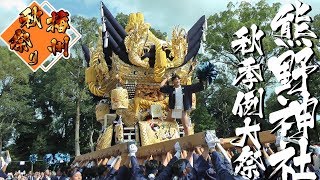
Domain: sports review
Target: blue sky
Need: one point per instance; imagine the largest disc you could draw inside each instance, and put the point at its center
(163, 14)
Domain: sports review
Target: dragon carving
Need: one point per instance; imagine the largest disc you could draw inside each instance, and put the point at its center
(140, 40)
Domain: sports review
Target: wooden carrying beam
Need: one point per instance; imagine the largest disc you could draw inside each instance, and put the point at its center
(264, 137)
(104, 153)
(187, 143)
(190, 142)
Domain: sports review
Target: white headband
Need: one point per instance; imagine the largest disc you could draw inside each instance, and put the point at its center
(151, 176)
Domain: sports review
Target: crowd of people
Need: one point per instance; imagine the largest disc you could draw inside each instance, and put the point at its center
(46, 175)
(202, 164)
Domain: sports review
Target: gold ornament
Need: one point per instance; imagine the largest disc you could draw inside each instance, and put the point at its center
(156, 131)
(118, 133)
(178, 47)
(104, 141)
(136, 39)
(101, 110)
(140, 39)
(119, 98)
(139, 75)
(97, 75)
(128, 116)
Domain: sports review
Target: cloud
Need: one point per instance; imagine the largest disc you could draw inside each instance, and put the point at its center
(166, 14)
(18, 5)
(9, 11)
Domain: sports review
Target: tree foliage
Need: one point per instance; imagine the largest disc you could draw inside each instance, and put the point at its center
(53, 98)
(15, 106)
(220, 97)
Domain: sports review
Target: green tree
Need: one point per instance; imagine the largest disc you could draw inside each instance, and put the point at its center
(62, 105)
(14, 92)
(221, 27)
(71, 103)
(314, 79)
(61, 101)
(214, 108)
(88, 29)
(220, 34)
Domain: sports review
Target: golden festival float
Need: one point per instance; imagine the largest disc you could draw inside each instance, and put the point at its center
(125, 71)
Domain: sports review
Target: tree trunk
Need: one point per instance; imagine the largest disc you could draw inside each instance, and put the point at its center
(77, 129)
(91, 141)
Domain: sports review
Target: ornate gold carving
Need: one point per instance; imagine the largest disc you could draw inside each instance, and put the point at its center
(147, 95)
(161, 61)
(101, 110)
(97, 74)
(119, 98)
(129, 73)
(146, 104)
(136, 39)
(140, 38)
(149, 92)
(178, 47)
(128, 115)
(104, 140)
(156, 131)
(137, 110)
(118, 133)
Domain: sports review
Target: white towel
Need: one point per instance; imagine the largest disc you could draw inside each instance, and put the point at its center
(177, 113)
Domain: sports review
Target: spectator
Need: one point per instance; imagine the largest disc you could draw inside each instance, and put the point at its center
(75, 175)
(47, 175)
(31, 176)
(59, 175)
